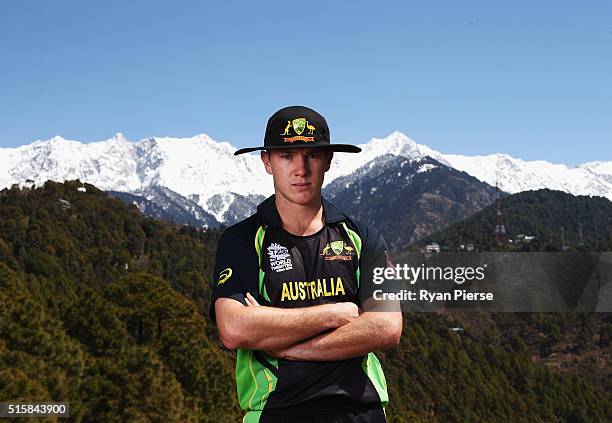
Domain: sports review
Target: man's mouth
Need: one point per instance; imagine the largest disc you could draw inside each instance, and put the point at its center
(301, 186)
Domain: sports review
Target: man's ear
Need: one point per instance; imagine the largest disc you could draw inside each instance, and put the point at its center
(265, 158)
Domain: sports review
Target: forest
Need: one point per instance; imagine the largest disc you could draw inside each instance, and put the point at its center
(107, 309)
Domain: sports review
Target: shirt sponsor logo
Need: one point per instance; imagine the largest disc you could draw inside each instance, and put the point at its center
(280, 259)
(338, 250)
(313, 289)
(224, 275)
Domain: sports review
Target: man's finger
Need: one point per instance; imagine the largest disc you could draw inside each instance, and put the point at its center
(252, 299)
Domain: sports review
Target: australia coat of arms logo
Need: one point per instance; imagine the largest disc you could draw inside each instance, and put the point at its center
(299, 126)
(338, 250)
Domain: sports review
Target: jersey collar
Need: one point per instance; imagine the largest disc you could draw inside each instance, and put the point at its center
(268, 213)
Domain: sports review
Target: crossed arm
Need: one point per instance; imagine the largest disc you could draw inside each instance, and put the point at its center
(324, 332)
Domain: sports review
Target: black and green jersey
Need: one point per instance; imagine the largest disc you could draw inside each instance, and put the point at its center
(284, 270)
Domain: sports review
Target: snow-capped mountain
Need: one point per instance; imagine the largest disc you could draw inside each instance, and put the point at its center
(396, 144)
(165, 204)
(230, 207)
(408, 198)
(109, 163)
(516, 175)
(206, 173)
(511, 174)
(196, 166)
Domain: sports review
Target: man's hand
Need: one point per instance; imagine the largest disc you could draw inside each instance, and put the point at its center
(251, 302)
(372, 330)
(343, 312)
(258, 327)
(358, 336)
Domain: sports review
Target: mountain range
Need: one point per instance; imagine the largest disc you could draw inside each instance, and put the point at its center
(199, 181)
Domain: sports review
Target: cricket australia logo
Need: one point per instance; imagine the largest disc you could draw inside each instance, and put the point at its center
(338, 250)
(299, 125)
(280, 259)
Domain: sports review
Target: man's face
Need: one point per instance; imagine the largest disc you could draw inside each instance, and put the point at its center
(298, 173)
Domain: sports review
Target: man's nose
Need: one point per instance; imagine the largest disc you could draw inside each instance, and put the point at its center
(301, 164)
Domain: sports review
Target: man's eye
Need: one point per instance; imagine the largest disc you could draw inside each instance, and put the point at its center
(286, 156)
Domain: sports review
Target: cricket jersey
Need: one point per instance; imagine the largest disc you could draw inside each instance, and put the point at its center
(284, 270)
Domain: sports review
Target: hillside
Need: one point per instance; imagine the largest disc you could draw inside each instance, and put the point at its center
(572, 343)
(77, 325)
(585, 222)
(105, 308)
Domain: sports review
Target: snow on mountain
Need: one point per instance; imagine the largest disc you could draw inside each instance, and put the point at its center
(516, 175)
(231, 208)
(396, 144)
(512, 174)
(206, 171)
(188, 166)
(108, 164)
(200, 165)
(408, 198)
(602, 169)
(165, 204)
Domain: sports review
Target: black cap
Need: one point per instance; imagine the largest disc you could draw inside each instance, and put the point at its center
(298, 127)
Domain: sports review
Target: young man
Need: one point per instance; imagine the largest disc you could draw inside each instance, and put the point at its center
(293, 286)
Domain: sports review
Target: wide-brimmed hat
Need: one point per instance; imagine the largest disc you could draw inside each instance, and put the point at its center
(298, 127)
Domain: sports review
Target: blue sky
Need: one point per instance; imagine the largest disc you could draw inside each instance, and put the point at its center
(529, 78)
